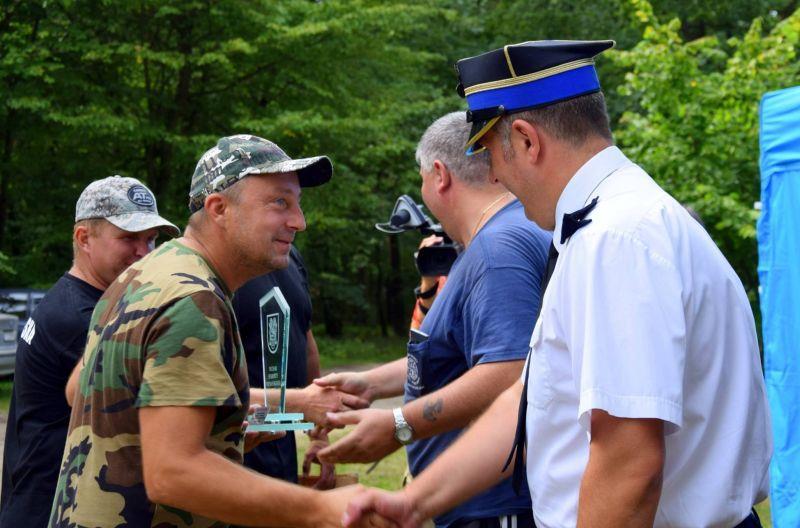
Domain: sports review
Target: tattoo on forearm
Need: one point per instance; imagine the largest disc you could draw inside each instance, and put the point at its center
(432, 410)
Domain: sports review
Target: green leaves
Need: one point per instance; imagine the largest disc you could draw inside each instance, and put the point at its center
(89, 89)
(691, 120)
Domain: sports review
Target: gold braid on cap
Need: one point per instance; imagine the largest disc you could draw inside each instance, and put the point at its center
(522, 79)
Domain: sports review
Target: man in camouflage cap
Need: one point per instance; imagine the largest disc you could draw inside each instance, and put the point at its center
(156, 435)
(116, 223)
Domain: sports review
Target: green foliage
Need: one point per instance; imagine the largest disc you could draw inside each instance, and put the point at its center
(89, 89)
(142, 89)
(359, 348)
(692, 120)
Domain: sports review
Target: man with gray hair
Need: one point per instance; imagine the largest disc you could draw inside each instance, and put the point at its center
(116, 223)
(473, 340)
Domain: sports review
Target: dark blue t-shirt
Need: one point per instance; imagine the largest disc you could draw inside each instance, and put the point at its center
(277, 458)
(39, 414)
(485, 313)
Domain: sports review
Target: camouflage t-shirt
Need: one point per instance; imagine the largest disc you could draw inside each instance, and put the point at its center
(164, 333)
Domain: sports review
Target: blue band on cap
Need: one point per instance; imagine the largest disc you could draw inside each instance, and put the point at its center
(539, 92)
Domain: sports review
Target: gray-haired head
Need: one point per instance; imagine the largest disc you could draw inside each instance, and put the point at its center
(444, 140)
(125, 202)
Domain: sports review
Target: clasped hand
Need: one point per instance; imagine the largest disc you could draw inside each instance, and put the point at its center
(372, 507)
(370, 440)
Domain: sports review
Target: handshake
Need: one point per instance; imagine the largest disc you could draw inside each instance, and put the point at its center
(360, 507)
(341, 399)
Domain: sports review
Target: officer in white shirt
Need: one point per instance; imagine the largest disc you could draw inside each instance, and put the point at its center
(643, 401)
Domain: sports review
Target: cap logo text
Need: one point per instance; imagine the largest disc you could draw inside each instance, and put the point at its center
(139, 195)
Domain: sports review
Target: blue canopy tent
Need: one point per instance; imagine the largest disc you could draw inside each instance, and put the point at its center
(779, 277)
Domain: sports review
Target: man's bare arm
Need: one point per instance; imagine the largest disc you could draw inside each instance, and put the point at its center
(451, 407)
(72, 382)
(449, 481)
(385, 381)
(622, 482)
(461, 401)
(180, 472)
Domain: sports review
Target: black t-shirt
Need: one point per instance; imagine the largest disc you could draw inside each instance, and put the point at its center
(279, 457)
(39, 414)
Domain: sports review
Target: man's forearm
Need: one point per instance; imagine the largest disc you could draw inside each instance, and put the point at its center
(461, 401)
(388, 380)
(180, 471)
(294, 399)
(491, 437)
(72, 382)
(231, 493)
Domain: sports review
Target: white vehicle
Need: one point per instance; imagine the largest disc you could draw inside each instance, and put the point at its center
(16, 307)
(8, 343)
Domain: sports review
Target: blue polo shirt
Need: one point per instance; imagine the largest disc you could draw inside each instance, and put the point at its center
(485, 313)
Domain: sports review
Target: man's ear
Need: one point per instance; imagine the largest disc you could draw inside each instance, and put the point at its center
(526, 140)
(216, 207)
(81, 236)
(442, 178)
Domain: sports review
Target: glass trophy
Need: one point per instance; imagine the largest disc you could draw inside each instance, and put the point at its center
(274, 314)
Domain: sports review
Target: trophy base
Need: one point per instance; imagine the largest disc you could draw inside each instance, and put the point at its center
(278, 422)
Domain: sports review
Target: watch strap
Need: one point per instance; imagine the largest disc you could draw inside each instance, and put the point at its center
(400, 424)
(427, 294)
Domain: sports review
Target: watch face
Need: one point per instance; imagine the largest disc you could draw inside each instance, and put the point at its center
(404, 435)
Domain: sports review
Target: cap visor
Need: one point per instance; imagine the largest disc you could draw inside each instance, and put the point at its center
(310, 171)
(479, 129)
(136, 222)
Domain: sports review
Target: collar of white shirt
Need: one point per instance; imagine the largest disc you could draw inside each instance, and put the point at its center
(581, 186)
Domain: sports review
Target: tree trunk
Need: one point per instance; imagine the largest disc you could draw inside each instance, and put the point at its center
(331, 314)
(394, 285)
(379, 298)
(5, 169)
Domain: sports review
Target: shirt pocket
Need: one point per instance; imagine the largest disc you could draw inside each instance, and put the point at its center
(540, 385)
(415, 356)
(431, 366)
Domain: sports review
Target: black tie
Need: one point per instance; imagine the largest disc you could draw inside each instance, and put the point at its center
(569, 224)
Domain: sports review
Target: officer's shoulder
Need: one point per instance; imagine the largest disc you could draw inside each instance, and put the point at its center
(644, 215)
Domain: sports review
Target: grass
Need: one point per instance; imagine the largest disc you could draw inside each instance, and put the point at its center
(763, 510)
(359, 350)
(6, 386)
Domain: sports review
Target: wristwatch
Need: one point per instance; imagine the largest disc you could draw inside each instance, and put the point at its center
(403, 432)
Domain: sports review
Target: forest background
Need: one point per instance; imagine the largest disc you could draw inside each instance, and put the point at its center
(142, 88)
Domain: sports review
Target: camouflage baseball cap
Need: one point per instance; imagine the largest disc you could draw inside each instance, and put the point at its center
(125, 202)
(235, 157)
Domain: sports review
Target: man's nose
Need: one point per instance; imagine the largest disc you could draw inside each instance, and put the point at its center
(297, 221)
(143, 247)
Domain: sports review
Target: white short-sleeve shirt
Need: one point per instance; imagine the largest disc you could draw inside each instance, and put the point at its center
(644, 318)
